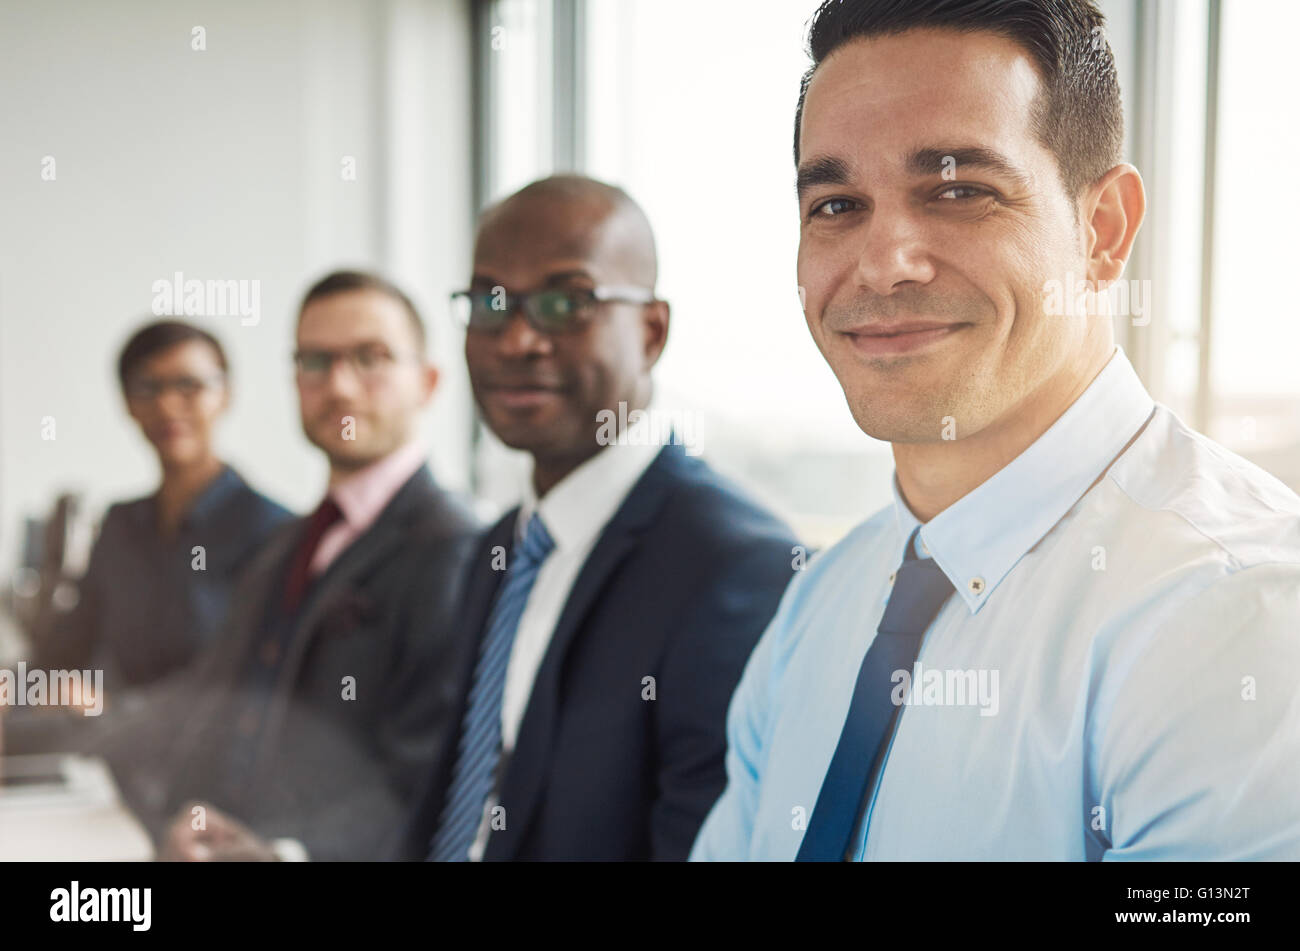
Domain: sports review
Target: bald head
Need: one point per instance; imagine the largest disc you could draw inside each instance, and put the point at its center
(542, 389)
(572, 217)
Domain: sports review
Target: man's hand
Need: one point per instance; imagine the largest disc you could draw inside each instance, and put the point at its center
(200, 833)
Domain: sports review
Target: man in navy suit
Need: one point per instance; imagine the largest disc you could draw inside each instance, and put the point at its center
(613, 611)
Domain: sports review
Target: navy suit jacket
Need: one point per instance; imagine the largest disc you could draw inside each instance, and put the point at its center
(609, 765)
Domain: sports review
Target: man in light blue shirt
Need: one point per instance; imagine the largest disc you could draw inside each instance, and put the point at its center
(1088, 614)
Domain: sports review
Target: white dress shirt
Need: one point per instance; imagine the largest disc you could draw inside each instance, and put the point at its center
(575, 512)
(1117, 675)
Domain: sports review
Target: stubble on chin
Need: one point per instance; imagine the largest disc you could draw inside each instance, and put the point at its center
(935, 408)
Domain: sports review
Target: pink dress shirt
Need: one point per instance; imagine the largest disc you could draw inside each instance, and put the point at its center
(361, 496)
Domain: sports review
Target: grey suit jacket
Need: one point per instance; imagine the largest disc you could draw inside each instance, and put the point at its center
(363, 701)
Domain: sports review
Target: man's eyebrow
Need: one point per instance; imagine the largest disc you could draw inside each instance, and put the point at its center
(826, 170)
(935, 161)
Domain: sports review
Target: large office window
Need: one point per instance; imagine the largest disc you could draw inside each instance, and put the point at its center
(517, 53)
(1219, 236)
(1255, 330)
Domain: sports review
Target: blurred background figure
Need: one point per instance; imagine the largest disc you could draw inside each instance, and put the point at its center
(162, 569)
(307, 730)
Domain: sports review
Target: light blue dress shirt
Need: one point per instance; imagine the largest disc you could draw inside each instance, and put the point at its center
(1116, 677)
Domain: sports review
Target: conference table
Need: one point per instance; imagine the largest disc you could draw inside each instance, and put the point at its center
(65, 808)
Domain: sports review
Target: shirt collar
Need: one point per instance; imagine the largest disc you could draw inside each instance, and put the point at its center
(576, 508)
(979, 538)
(363, 494)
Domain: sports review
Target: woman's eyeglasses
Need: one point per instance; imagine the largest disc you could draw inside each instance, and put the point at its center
(145, 389)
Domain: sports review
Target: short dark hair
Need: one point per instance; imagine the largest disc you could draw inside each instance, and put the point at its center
(1079, 115)
(152, 339)
(339, 282)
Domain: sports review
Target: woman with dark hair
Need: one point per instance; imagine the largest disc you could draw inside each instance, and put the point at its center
(163, 567)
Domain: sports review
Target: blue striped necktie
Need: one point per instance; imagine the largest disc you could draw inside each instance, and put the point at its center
(920, 591)
(479, 749)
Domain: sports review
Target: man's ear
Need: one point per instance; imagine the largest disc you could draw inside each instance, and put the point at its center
(429, 377)
(655, 320)
(1114, 209)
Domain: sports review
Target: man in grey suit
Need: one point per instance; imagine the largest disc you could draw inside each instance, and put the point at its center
(309, 726)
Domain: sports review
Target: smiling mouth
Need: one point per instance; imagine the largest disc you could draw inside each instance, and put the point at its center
(522, 396)
(903, 338)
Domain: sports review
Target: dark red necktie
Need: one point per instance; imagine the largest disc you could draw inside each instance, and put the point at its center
(321, 520)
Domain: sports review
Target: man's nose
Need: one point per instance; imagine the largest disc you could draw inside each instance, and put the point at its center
(519, 338)
(343, 378)
(893, 252)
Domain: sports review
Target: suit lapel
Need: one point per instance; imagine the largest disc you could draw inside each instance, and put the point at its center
(476, 604)
(339, 582)
(339, 589)
(485, 579)
(525, 776)
(337, 586)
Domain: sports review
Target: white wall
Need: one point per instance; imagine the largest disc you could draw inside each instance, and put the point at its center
(222, 164)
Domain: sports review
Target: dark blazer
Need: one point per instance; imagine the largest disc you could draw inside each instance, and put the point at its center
(331, 770)
(143, 611)
(679, 586)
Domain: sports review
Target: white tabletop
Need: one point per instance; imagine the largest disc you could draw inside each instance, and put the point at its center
(79, 818)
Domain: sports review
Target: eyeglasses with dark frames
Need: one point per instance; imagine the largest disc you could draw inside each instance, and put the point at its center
(552, 311)
(369, 362)
(148, 388)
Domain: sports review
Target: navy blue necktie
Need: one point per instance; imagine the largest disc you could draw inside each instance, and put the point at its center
(920, 590)
(479, 749)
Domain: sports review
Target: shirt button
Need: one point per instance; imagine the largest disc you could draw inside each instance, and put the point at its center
(976, 585)
(892, 574)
